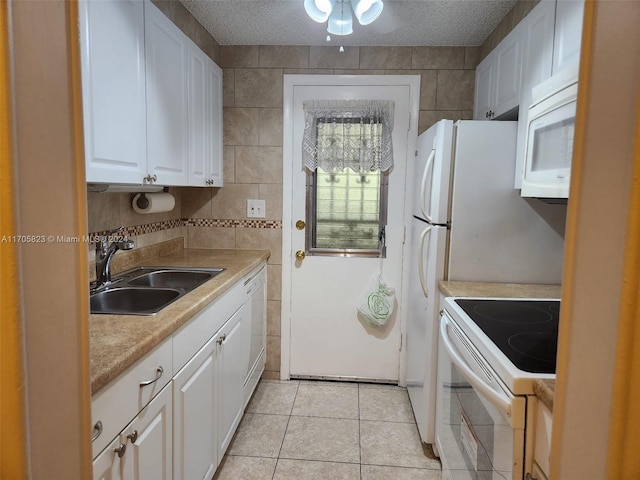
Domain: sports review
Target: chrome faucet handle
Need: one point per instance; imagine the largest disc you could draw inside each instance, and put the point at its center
(102, 242)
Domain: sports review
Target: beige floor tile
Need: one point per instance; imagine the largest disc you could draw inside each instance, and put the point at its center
(322, 400)
(393, 444)
(375, 472)
(245, 468)
(388, 404)
(259, 435)
(311, 470)
(326, 439)
(273, 397)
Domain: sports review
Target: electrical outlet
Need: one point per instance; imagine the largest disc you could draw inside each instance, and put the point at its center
(255, 208)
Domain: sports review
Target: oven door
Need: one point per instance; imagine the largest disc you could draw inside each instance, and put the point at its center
(480, 424)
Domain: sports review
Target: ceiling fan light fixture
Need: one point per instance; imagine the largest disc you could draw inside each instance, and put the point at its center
(340, 22)
(367, 11)
(319, 10)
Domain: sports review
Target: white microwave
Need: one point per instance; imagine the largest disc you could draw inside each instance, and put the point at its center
(549, 141)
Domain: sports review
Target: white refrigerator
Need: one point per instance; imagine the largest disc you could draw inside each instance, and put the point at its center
(468, 224)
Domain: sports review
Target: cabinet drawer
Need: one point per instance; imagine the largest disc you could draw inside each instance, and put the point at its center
(195, 333)
(120, 401)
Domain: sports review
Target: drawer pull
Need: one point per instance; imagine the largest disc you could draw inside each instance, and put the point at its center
(221, 339)
(159, 372)
(97, 430)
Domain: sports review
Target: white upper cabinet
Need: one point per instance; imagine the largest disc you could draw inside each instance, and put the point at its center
(152, 99)
(537, 32)
(167, 131)
(508, 74)
(485, 73)
(205, 119)
(498, 79)
(113, 90)
(568, 33)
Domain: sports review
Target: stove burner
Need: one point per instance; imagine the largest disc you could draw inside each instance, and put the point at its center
(539, 346)
(512, 313)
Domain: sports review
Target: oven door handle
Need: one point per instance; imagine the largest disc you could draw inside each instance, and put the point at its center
(498, 401)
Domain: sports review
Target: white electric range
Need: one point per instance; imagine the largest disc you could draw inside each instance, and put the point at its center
(491, 350)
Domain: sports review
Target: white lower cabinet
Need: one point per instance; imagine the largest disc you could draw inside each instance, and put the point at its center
(195, 420)
(143, 450)
(235, 341)
(184, 430)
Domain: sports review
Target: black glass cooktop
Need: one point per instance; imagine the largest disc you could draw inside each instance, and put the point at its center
(526, 331)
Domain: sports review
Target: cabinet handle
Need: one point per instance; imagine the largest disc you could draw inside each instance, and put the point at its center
(159, 372)
(221, 339)
(486, 115)
(97, 430)
(120, 450)
(133, 436)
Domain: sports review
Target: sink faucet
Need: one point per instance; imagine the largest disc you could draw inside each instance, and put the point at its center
(104, 254)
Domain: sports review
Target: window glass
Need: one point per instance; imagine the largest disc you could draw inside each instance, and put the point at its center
(347, 208)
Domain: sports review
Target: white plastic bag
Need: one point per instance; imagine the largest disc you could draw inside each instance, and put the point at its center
(378, 304)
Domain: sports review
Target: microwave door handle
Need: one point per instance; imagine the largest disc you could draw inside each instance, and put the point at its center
(423, 190)
(498, 401)
(423, 281)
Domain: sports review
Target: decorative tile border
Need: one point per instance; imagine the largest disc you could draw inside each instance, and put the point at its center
(210, 222)
(192, 222)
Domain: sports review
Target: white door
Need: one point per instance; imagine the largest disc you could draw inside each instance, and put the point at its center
(108, 465)
(485, 73)
(167, 99)
(195, 449)
(151, 447)
(326, 337)
(235, 342)
(113, 90)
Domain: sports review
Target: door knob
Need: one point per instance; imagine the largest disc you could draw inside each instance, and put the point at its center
(300, 255)
(300, 224)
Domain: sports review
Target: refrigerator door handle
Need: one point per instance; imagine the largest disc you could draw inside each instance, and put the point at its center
(423, 280)
(423, 190)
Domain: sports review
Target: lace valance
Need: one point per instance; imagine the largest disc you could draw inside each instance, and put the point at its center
(354, 134)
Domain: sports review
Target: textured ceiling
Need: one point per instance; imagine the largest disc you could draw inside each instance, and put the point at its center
(403, 22)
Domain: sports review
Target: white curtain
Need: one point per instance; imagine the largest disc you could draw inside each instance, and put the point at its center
(354, 134)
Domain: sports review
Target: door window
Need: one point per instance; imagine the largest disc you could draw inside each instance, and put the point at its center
(347, 207)
(347, 210)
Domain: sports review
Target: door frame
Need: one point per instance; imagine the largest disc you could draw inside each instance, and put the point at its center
(290, 82)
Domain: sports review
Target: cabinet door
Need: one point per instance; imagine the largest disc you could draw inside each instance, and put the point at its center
(234, 360)
(150, 455)
(205, 124)
(568, 33)
(537, 32)
(484, 88)
(214, 90)
(508, 60)
(108, 465)
(195, 415)
(113, 90)
(167, 121)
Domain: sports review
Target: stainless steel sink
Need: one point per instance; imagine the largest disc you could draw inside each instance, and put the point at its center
(147, 290)
(133, 300)
(183, 279)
